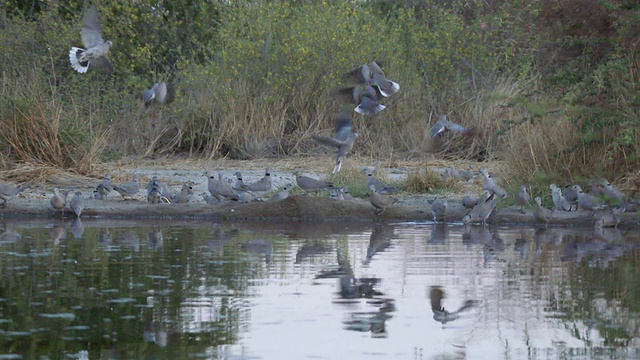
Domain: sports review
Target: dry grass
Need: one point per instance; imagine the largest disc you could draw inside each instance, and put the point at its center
(427, 180)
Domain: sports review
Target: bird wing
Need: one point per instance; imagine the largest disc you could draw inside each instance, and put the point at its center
(91, 35)
(161, 92)
(345, 94)
(439, 126)
(148, 95)
(328, 141)
(102, 62)
(343, 126)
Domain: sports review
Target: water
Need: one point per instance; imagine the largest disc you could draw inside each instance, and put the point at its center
(195, 290)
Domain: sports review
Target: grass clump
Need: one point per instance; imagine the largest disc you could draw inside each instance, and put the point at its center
(425, 181)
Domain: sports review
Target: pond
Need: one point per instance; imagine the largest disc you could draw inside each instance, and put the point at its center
(119, 289)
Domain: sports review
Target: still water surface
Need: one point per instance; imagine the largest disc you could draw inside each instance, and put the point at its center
(196, 290)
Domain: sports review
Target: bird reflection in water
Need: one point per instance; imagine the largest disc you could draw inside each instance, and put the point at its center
(352, 289)
(439, 313)
(77, 228)
(439, 234)
(155, 238)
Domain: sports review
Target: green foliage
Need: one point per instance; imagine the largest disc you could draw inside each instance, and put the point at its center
(255, 78)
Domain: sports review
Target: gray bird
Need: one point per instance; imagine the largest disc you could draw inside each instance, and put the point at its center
(522, 198)
(559, 202)
(343, 141)
(379, 79)
(469, 200)
(596, 189)
(380, 201)
(58, 200)
(185, 194)
(8, 192)
(490, 185)
(245, 197)
(160, 92)
(102, 190)
(373, 75)
(439, 208)
(588, 202)
(380, 187)
(366, 97)
(309, 184)
(542, 214)
(77, 203)
(239, 183)
(611, 218)
(261, 186)
(569, 193)
(130, 188)
(482, 211)
(346, 195)
(282, 194)
(444, 125)
(468, 174)
(612, 192)
(96, 50)
(219, 190)
(454, 173)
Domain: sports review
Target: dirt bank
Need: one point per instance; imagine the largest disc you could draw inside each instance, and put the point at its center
(34, 201)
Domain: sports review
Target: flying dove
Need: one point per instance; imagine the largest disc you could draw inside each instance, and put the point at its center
(340, 142)
(160, 92)
(77, 203)
(373, 75)
(444, 125)
(130, 188)
(8, 192)
(366, 97)
(96, 49)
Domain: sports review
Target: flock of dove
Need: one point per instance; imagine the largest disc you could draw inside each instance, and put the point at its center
(369, 86)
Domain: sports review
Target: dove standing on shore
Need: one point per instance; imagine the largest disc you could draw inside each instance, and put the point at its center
(77, 203)
(8, 192)
(96, 50)
(130, 188)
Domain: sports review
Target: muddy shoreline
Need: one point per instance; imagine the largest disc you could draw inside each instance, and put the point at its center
(294, 208)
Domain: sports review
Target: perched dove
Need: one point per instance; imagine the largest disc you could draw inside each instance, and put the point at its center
(490, 185)
(340, 142)
(261, 186)
(96, 49)
(559, 201)
(184, 195)
(381, 187)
